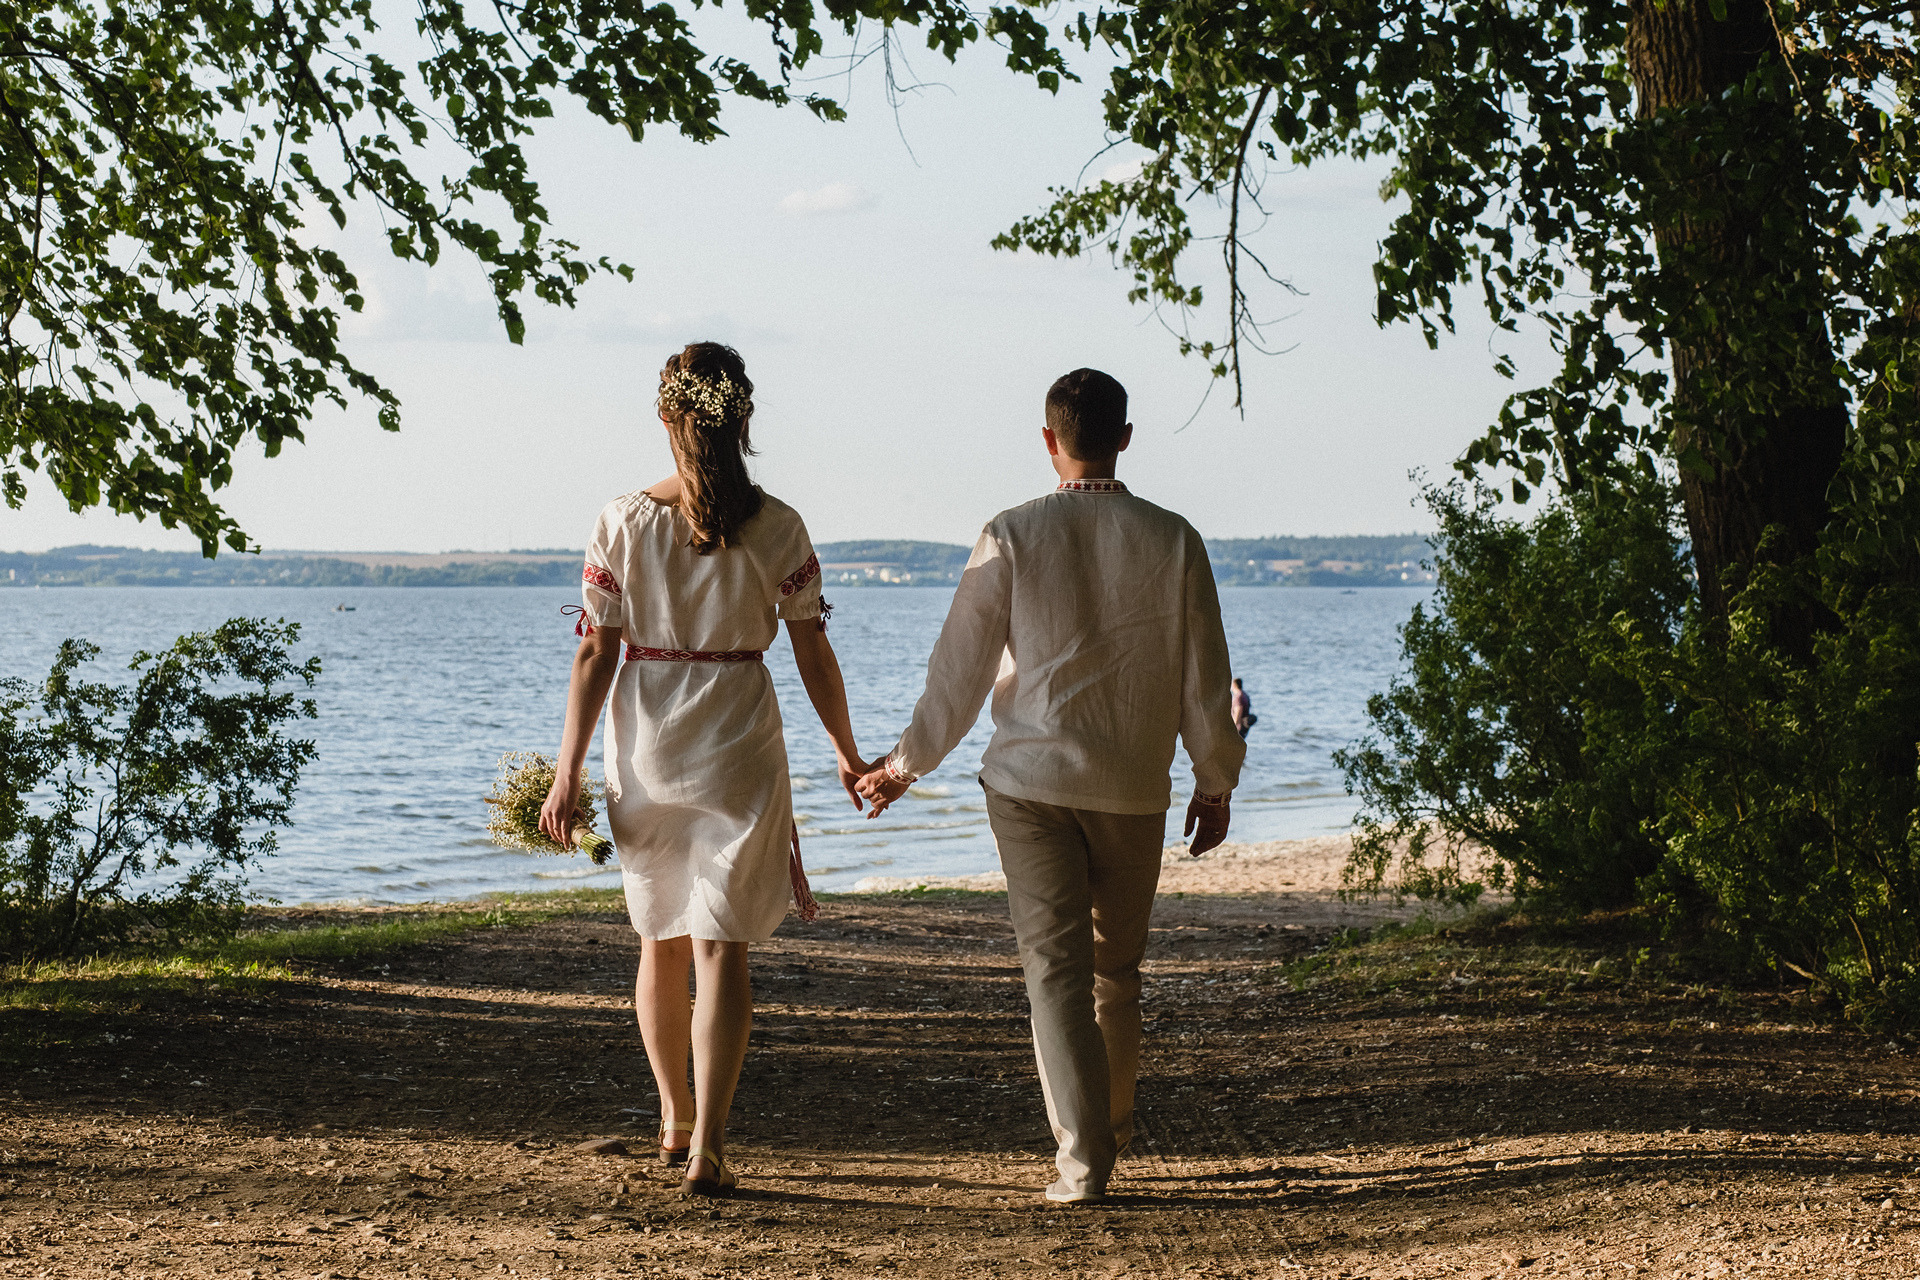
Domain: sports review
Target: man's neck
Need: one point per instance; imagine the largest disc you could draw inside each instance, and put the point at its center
(1084, 469)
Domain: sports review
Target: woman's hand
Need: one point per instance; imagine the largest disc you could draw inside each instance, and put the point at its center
(594, 665)
(556, 815)
(851, 770)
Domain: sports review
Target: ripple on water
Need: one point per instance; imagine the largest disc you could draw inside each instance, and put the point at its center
(411, 727)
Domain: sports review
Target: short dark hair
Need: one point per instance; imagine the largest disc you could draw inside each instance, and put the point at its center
(1087, 412)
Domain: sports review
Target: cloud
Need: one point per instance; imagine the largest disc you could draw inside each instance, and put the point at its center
(1126, 171)
(835, 197)
(407, 303)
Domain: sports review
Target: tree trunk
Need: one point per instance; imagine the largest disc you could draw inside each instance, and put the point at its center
(1766, 467)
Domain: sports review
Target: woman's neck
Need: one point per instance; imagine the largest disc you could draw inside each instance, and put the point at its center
(666, 492)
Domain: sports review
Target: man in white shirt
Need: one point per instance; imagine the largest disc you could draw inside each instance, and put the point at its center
(1091, 617)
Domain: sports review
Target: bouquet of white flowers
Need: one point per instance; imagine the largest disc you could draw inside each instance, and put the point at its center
(518, 795)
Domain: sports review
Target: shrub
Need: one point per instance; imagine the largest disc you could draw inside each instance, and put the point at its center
(1569, 717)
(1794, 805)
(1513, 731)
(134, 809)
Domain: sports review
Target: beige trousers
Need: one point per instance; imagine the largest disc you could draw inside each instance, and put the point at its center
(1080, 887)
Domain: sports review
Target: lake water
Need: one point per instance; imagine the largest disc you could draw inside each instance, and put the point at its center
(424, 689)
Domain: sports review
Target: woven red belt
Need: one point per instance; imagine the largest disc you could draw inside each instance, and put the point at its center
(640, 653)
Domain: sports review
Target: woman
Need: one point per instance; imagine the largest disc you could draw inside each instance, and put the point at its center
(692, 574)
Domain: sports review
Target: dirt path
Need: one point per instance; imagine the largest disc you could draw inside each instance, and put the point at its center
(419, 1118)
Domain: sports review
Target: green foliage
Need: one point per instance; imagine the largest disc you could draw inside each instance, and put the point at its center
(167, 780)
(275, 945)
(162, 294)
(1543, 169)
(1792, 811)
(1513, 734)
(1565, 718)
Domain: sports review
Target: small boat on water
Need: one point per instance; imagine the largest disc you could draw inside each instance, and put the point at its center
(344, 608)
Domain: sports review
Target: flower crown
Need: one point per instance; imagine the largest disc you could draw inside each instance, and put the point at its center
(682, 391)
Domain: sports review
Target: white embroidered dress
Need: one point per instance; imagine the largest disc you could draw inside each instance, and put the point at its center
(696, 765)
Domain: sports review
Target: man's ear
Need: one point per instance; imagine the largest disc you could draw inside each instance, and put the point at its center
(1053, 445)
(1126, 438)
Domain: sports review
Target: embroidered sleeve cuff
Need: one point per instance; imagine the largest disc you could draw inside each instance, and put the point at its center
(594, 576)
(898, 774)
(1202, 798)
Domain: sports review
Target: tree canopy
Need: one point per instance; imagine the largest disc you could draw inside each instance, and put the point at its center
(164, 294)
(1702, 202)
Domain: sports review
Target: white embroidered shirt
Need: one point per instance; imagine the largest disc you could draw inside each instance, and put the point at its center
(1090, 616)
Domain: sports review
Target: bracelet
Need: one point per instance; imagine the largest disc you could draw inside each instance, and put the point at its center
(1225, 797)
(896, 773)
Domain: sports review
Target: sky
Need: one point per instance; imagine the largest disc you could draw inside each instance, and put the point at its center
(900, 363)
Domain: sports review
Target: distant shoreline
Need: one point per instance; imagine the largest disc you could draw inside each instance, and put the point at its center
(1370, 561)
(458, 586)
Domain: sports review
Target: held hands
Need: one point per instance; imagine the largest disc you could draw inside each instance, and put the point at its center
(881, 788)
(1206, 825)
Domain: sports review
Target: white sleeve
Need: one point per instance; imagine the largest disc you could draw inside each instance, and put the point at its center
(600, 586)
(800, 590)
(1206, 683)
(965, 660)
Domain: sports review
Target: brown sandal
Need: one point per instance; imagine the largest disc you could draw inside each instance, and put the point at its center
(673, 1155)
(721, 1185)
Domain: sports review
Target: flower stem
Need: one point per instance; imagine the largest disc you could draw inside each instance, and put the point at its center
(596, 846)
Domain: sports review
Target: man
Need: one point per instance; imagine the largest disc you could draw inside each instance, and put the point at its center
(1091, 617)
(1243, 717)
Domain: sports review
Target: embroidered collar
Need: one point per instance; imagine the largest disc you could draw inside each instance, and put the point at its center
(1090, 486)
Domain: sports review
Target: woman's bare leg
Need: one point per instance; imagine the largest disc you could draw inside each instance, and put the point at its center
(666, 1025)
(722, 1020)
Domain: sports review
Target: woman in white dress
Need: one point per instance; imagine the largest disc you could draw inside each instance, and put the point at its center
(690, 577)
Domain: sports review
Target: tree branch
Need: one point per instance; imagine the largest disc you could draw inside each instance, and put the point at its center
(1236, 297)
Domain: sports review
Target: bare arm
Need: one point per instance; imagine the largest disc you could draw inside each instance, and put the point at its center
(820, 673)
(594, 665)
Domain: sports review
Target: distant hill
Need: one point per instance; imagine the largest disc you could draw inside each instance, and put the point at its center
(1341, 562)
(1338, 562)
(93, 566)
(1358, 561)
(891, 562)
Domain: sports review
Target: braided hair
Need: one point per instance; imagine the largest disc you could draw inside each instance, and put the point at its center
(707, 403)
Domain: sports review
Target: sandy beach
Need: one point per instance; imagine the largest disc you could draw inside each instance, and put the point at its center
(1296, 879)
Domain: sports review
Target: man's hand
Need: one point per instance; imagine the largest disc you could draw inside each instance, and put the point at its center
(1206, 825)
(881, 788)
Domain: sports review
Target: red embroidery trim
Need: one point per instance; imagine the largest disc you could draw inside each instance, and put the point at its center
(1091, 486)
(600, 578)
(640, 653)
(1222, 798)
(797, 875)
(896, 773)
(802, 576)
